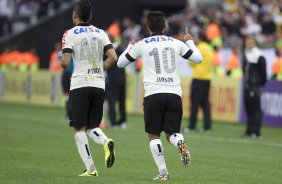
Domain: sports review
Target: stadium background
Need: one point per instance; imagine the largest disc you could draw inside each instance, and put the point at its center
(21, 93)
(226, 95)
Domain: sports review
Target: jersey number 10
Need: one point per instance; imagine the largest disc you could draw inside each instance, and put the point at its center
(165, 51)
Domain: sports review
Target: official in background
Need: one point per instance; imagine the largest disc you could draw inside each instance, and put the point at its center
(254, 67)
(201, 86)
(116, 91)
(66, 82)
(66, 77)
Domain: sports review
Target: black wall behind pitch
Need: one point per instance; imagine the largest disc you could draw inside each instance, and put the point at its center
(50, 31)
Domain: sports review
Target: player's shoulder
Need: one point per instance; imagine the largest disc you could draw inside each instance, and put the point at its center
(70, 31)
(96, 29)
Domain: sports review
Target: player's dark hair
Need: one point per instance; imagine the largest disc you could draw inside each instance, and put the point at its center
(156, 21)
(83, 10)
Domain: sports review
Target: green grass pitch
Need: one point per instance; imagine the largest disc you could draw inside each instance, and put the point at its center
(37, 147)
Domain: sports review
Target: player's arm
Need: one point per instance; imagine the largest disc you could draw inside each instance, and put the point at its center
(196, 56)
(110, 52)
(111, 58)
(193, 54)
(67, 46)
(124, 59)
(129, 55)
(66, 60)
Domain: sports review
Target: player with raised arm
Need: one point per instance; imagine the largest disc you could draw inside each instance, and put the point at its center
(88, 44)
(162, 101)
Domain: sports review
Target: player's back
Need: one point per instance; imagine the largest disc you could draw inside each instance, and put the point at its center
(87, 43)
(159, 55)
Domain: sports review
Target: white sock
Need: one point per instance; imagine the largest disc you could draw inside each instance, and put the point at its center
(158, 155)
(84, 151)
(174, 138)
(97, 135)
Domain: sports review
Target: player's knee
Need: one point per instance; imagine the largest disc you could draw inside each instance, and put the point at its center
(80, 129)
(153, 136)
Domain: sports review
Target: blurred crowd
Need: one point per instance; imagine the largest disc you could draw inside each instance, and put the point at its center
(14, 59)
(226, 24)
(230, 21)
(16, 15)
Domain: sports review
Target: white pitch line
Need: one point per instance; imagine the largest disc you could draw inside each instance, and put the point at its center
(203, 137)
(237, 140)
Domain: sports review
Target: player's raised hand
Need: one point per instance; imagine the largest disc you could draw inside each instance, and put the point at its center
(132, 41)
(187, 36)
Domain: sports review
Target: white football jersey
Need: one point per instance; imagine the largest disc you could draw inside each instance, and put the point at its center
(87, 44)
(159, 55)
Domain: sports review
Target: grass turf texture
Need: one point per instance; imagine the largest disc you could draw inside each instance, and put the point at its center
(37, 146)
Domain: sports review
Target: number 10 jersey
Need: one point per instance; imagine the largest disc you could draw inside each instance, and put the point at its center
(159, 55)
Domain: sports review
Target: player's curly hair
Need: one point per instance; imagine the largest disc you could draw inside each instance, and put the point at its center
(156, 21)
(83, 10)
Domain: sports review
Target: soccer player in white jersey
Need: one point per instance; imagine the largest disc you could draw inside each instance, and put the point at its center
(162, 101)
(87, 44)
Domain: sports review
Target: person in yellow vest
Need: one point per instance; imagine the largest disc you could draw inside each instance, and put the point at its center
(234, 65)
(201, 82)
(277, 66)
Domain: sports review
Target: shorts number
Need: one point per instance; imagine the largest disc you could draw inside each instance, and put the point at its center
(165, 51)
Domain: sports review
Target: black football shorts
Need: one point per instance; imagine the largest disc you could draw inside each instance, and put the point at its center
(162, 112)
(86, 107)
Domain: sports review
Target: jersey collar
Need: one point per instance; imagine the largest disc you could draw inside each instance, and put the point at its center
(83, 24)
(157, 33)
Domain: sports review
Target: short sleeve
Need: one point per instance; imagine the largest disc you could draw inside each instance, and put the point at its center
(106, 42)
(185, 52)
(67, 43)
(134, 52)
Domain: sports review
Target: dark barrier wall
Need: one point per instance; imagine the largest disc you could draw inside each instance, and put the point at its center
(50, 31)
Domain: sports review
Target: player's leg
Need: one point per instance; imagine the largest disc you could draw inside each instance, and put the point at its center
(157, 151)
(153, 126)
(79, 116)
(84, 152)
(95, 116)
(171, 126)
